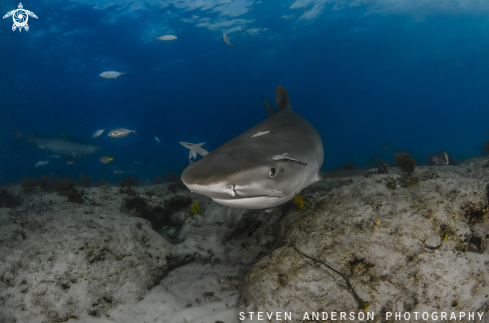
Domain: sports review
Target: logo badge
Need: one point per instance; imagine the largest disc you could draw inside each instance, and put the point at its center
(20, 17)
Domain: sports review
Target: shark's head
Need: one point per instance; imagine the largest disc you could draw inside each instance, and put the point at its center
(245, 179)
(265, 166)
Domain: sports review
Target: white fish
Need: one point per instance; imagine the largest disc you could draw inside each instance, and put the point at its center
(226, 39)
(158, 140)
(111, 74)
(166, 38)
(194, 149)
(441, 158)
(98, 133)
(261, 133)
(121, 132)
(41, 163)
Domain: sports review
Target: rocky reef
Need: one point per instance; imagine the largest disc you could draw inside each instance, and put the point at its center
(373, 245)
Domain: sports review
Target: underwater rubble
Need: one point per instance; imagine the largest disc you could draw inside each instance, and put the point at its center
(382, 243)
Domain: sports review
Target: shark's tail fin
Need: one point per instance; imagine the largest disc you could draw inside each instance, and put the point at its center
(135, 131)
(343, 174)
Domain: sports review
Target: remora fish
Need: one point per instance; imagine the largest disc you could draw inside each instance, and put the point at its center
(63, 144)
(111, 74)
(194, 149)
(243, 173)
(226, 39)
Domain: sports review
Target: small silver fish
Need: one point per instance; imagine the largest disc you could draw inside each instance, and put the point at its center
(226, 39)
(111, 74)
(158, 140)
(98, 133)
(441, 158)
(121, 132)
(106, 159)
(166, 38)
(54, 156)
(118, 172)
(41, 163)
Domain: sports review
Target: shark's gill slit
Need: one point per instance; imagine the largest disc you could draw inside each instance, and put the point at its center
(234, 189)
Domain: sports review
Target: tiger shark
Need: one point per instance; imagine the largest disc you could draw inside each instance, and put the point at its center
(263, 167)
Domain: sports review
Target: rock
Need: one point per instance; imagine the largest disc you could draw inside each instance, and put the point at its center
(77, 261)
(433, 242)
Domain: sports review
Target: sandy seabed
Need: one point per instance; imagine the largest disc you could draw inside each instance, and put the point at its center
(384, 243)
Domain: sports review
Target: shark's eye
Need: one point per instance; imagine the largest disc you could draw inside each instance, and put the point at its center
(272, 172)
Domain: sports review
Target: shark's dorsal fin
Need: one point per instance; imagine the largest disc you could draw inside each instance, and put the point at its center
(268, 107)
(281, 98)
(234, 215)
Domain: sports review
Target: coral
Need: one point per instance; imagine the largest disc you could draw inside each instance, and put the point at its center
(195, 208)
(64, 185)
(158, 180)
(9, 200)
(171, 177)
(405, 162)
(28, 184)
(46, 183)
(84, 181)
(299, 201)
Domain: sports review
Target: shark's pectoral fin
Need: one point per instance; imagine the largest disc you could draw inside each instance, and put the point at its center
(234, 215)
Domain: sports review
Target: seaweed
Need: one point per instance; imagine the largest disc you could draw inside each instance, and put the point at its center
(348, 166)
(405, 162)
(129, 181)
(100, 182)
(195, 208)
(475, 213)
(28, 184)
(158, 180)
(486, 147)
(84, 181)
(384, 169)
(173, 187)
(75, 196)
(46, 183)
(9, 200)
(64, 185)
(299, 201)
(171, 177)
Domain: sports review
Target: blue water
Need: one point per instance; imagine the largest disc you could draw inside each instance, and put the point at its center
(372, 78)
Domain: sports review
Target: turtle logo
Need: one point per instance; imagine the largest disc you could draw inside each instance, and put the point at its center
(20, 17)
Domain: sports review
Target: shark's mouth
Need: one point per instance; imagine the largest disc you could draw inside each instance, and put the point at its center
(235, 192)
